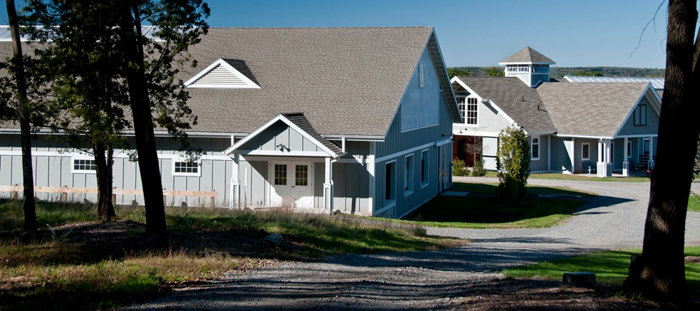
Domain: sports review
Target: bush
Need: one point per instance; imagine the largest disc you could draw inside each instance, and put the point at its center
(479, 169)
(459, 168)
(513, 164)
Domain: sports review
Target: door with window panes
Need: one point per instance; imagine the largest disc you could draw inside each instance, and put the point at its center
(291, 184)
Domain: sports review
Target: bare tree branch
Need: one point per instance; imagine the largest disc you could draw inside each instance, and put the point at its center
(653, 20)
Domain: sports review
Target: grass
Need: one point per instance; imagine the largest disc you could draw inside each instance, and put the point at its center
(487, 212)
(610, 267)
(584, 177)
(100, 266)
(694, 203)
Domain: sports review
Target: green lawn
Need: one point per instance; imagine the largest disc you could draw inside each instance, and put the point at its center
(584, 177)
(63, 268)
(610, 267)
(484, 212)
(694, 203)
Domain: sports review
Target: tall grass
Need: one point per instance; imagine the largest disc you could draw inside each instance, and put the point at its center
(65, 266)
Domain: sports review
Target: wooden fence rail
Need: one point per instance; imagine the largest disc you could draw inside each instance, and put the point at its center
(64, 191)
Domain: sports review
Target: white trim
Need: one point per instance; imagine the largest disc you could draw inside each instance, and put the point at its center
(385, 208)
(425, 159)
(638, 136)
(409, 175)
(631, 112)
(181, 160)
(443, 142)
(583, 136)
(249, 84)
(415, 207)
(84, 157)
(390, 203)
(280, 153)
(398, 154)
(282, 118)
(532, 147)
(525, 63)
(508, 118)
(420, 128)
(589, 151)
(355, 138)
(474, 132)
(120, 154)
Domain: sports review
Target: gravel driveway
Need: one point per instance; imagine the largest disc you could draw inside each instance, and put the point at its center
(427, 280)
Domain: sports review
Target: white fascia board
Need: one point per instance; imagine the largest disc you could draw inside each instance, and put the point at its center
(583, 136)
(525, 63)
(280, 117)
(463, 85)
(355, 138)
(249, 84)
(314, 154)
(629, 114)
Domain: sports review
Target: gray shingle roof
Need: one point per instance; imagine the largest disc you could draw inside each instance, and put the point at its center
(303, 123)
(528, 55)
(346, 81)
(517, 100)
(590, 109)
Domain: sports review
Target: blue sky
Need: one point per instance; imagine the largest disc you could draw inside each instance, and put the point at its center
(481, 32)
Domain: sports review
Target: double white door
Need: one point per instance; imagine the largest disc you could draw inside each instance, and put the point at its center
(292, 184)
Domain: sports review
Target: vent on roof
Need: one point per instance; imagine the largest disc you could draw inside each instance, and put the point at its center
(223, 74)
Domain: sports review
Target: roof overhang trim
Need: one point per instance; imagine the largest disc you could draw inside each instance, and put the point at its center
(281, 118)
(248, 83)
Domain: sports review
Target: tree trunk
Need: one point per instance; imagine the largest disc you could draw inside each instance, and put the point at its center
(660, 272)
(24, 110)
(143, 123)
(104, 183)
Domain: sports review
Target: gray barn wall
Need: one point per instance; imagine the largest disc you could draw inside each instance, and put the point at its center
(541, 165)
(652, 127)
(560, 158)
(396, 142)
(276, 134)
(52, 168)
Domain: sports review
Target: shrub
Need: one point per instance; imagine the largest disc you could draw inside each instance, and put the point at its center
(458, 168)
(479, 169)
(513, 164)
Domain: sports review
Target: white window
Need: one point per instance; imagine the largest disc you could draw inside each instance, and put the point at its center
(472, 107)
(408, 175)
(640, 115)
(535, 148)
(185, 168)
(461, 105)
(84, 165)
(585, 151)
(424, 162)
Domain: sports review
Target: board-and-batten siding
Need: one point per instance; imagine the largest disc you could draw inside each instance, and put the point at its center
(220, 76)
(53, 168)
(542, 164)
(279, 134)
(397, 141)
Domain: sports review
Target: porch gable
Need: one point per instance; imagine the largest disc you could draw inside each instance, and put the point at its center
(286, 135)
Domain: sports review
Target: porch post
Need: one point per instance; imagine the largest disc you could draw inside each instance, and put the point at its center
(235, 183)
(625, 163)
(328, 187)
(573, 155)
(651, 152)
(600, 165)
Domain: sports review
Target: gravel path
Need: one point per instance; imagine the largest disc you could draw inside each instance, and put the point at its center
(427, 280)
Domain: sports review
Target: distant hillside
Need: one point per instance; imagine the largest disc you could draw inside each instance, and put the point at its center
(559, 72)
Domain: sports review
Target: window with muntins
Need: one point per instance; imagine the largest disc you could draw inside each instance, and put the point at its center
(472, 107)
(301, 175)
(185, 167)
(281, 174)
(461, 105)
(535, 146)
(640, 115)
(84, 165)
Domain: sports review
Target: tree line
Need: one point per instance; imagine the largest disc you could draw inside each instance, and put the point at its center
(560, 72)
(91, 73)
